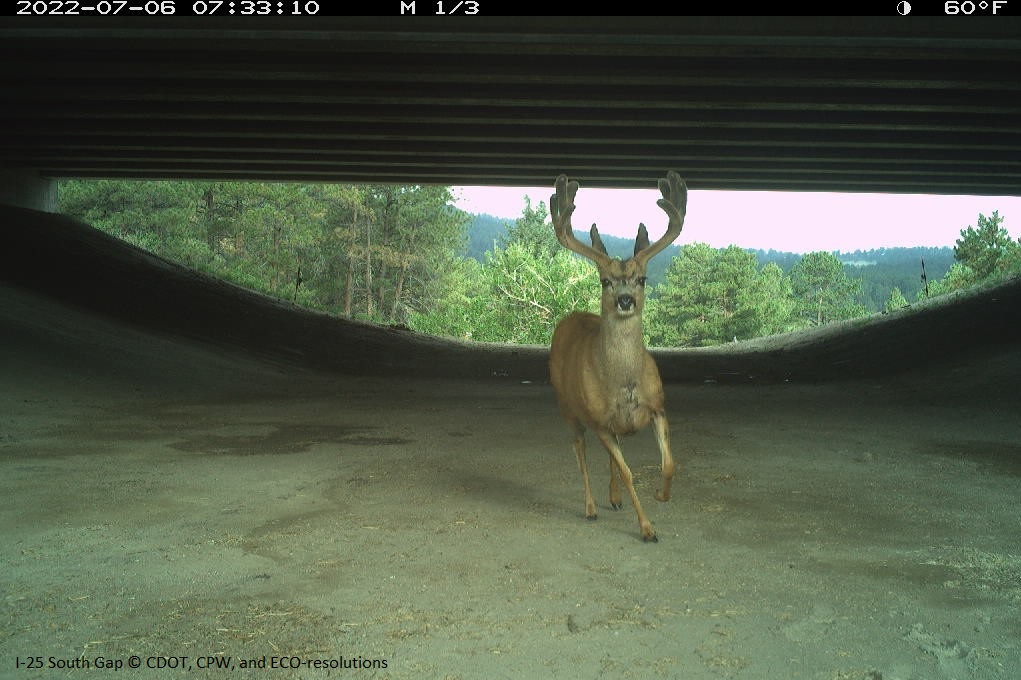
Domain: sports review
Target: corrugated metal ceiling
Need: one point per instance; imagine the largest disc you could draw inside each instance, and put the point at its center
(898, 104)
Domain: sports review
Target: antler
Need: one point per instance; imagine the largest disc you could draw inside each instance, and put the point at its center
(561, 207)
(674, 203)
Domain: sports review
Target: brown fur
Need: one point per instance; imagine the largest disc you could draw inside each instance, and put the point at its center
(605, 380)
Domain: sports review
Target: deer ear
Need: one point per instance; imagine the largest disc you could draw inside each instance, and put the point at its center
(642, 242)
(597, 242)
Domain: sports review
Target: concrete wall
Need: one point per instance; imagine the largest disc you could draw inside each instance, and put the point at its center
(26, 189)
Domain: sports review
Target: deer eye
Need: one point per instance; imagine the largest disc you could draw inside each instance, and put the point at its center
(641, 281)
(606, 283)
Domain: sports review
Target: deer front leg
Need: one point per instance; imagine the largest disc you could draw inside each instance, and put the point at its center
(614, 484)
(662, 429)
(579, 453)
(610, 442)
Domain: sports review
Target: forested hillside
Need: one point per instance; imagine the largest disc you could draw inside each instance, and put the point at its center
(880, 270)
(884, 269)
(402, 255)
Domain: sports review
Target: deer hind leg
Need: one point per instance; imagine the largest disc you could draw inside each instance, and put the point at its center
(610, 442)
(579, 453)
(662, 429)
(615, 475)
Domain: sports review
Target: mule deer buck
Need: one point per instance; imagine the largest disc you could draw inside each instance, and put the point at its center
(603, 376)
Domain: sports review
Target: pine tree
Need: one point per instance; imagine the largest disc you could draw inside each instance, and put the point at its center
(895, 301)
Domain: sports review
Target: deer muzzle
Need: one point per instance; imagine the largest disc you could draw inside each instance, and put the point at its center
(625, 303)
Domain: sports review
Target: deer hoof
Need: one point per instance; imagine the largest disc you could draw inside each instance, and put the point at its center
(592, 518)
(650, 539)
(616, 506)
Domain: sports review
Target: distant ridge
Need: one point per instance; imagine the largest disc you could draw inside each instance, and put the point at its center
(881, 269)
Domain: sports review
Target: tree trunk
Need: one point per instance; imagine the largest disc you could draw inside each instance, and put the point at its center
(397, 294)
(409, 248)
(349, 282)
(274, 280)
(211, 237)
(368, 269)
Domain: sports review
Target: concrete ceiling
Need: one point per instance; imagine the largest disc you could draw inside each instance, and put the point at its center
(897, 104)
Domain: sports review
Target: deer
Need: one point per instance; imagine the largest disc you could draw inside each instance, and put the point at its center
(603, 376)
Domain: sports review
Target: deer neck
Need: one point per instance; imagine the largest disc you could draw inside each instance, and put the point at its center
(622, 349)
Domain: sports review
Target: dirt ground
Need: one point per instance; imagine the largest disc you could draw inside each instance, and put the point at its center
(165, 496)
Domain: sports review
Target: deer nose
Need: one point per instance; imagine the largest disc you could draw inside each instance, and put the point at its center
(625, 302)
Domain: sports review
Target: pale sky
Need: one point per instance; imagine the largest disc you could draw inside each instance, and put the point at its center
(786, 221)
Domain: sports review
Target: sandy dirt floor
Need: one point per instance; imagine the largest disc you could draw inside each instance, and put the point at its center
(183, 504)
